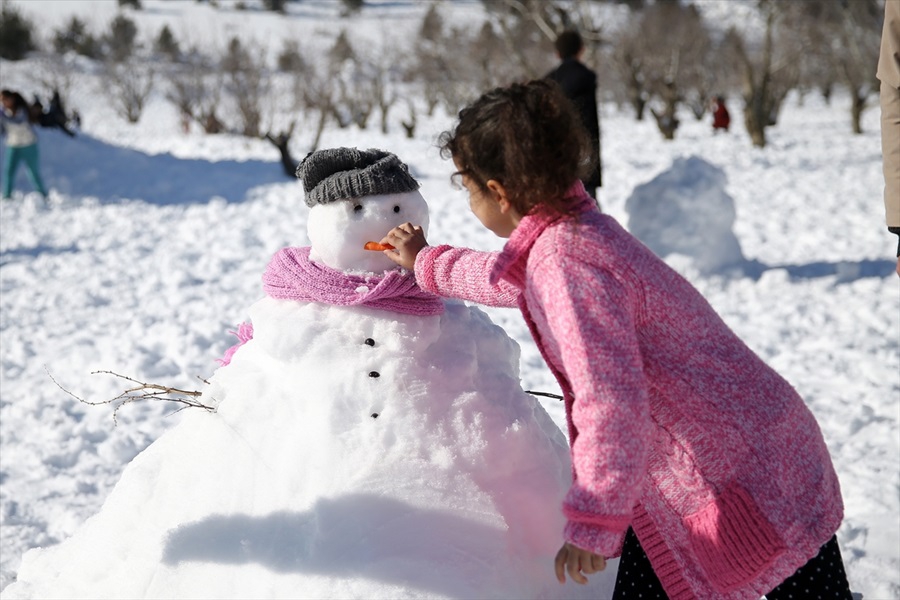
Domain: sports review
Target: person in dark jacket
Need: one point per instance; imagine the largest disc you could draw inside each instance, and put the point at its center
(56, 115)
(579, 83)
(52, 117)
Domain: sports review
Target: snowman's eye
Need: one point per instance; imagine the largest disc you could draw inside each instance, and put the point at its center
(396, 209)
(357, 208)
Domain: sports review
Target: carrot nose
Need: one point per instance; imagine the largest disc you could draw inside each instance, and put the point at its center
(377, 247)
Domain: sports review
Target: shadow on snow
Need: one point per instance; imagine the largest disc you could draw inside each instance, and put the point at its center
(8, 256)
(375, 538)
(843, 271)
(87, 167)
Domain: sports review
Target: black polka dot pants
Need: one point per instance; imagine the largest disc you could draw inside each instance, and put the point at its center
(822, 578)
(636, 578)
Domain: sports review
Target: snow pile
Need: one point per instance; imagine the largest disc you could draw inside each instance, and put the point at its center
(356, 451)
(686, 210)
(315, 479)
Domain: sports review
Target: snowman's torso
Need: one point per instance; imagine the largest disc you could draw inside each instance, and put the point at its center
(400, 402)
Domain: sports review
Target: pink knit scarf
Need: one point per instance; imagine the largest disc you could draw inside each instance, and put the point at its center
(291, 275)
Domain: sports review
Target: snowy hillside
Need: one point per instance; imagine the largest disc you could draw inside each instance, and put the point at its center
(153, 243)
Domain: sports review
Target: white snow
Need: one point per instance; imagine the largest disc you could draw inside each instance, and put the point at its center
(153, 246)
(685, 210)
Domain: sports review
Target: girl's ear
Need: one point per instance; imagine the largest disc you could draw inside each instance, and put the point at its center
(499, 193)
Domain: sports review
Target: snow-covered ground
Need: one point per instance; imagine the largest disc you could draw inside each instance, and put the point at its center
(154, 242)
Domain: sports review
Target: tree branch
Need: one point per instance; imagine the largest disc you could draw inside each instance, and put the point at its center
(143, 391)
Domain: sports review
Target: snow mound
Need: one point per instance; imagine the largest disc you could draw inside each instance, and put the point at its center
(686, 210)
(355, 452)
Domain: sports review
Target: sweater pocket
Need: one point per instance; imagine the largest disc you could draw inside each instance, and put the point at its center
(732, 540)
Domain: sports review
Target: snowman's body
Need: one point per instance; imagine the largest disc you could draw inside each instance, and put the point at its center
(357, 452)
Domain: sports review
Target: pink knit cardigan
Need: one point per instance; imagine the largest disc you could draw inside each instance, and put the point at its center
(676, 427)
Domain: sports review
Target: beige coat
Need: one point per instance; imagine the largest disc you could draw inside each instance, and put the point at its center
(889, 75)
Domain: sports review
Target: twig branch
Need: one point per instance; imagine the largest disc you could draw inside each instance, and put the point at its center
(545, 394)
(143, 391)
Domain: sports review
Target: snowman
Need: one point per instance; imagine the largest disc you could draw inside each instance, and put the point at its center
(370, 440)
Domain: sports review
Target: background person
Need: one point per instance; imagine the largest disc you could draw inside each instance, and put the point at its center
(721, 118)
(579, 83)
(21, 142)
(889, 75)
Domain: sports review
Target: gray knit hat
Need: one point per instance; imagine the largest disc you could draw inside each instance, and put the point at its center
(345, 173)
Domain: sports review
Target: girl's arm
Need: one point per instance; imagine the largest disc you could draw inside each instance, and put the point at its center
(19, 117)
(447, 271)
(586, 315)
(463, 273)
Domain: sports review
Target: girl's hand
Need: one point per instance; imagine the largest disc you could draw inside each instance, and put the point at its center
(577, 561)
(407, 240)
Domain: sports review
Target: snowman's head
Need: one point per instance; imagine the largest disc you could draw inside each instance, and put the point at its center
(357, 196)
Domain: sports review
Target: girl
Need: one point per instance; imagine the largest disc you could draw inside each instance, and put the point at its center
(21, 142)
(692, 460)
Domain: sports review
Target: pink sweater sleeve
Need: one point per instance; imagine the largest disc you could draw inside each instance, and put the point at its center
(464, 274)
(585, 316)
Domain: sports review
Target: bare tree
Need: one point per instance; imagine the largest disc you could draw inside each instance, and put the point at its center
(130, 83)
(681, 45)
(247, 82)
(409, 124)
(356, 104)
(442, 77)
(54, 72)
(839, 43)
(859, 36)
(319, 97)
(461, 86)
(667, 120)
(486, 50)
(629, 61)
(429, 68)
(383, 86)
(817, 69)
(527, 29)
(662, 58)
(195, 88)
(707, 75)
(345, 104)
(295, 68)
(768, 72)
(281, 141)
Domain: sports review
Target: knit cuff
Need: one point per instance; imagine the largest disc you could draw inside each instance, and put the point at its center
(599, 540)
(424, 267)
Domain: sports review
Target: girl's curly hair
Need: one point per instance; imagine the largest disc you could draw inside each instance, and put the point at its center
(528, 137)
